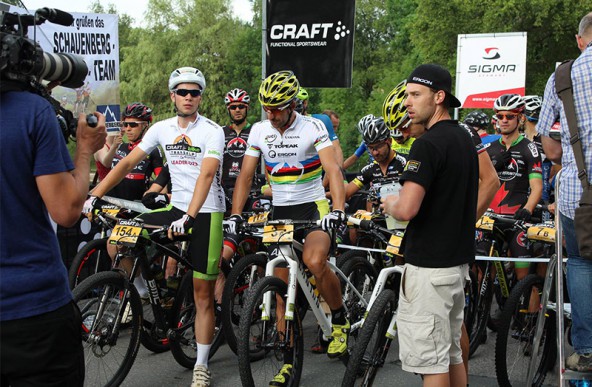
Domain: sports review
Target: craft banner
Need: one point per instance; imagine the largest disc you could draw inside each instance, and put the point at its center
(489, 65)
(94, 37)
(313, 38)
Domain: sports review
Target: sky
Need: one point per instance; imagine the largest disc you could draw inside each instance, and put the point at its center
(134, 8)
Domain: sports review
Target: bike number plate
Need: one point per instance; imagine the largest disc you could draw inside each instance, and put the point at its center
(258, 218)
(283, 233)
(394, 244)
(485, 223)
(362, 215)
(541, 233)
(125, 233)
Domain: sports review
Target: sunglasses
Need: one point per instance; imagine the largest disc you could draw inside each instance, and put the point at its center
(131, 124)
(376, 148)
(276, 109)
(183, 92)
(234, 107)
(508, 117)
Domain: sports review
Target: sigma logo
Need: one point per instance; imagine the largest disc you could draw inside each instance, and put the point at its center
(491, 53)
(313, 34)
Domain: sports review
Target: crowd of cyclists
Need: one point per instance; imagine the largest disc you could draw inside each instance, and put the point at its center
(210, 172)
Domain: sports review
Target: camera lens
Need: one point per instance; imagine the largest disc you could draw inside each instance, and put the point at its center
(69, 69)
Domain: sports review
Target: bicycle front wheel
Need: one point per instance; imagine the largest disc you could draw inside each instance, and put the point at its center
(275, 337)
(515, 337)
(477, 324)
(373, 344)
(244, 274)
(182, 339)
(92, 258)
(111, 316)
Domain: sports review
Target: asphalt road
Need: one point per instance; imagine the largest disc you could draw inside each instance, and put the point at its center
(161, 369)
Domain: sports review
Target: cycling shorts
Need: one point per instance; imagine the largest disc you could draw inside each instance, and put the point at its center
(306, 211)
(205, 241)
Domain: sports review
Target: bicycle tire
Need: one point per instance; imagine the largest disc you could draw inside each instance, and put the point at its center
(90, 259)
(101, 293)
(471, 289)
(182, 340)
(363, 276)
(372, 345)
(235, 292)
(516, 333)
(255, 334)
(479, 323)
(349, 254)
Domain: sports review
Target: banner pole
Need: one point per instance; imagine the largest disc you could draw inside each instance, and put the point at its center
(263, 46)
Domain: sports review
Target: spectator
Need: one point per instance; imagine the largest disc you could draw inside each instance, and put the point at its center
(334, 118)
(40, 338)
(440, 181)
(579, 270)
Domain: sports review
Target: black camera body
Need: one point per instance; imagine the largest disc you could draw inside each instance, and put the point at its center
(23, 64)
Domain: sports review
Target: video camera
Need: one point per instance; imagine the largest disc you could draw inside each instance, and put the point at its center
(23, 64)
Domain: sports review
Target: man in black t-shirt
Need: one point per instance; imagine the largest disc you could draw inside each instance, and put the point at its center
(440, 185)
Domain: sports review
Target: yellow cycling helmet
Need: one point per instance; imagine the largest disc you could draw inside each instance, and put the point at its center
(278, 89)
(394, 111)
(302, 94)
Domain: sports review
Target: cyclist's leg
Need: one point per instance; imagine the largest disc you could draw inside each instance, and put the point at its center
(519, 248)
(206, 244)
(229, 248)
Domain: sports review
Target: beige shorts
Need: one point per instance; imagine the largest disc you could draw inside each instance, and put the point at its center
(429, 318)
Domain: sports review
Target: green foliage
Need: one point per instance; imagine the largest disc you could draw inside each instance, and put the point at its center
(391, 38)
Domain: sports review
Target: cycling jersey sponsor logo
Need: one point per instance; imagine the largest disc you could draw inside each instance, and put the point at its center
(212, 152)
(533, 149)
(510, 172)
(271, 154)
(270, 138)
(491, 53)
(306, 34)
(283, 146)
(412, 166)
(292, 137)
(236, 147)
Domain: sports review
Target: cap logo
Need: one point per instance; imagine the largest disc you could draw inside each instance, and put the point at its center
(424, 81)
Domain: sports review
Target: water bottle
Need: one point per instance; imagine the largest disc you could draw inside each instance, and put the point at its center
(388, 260)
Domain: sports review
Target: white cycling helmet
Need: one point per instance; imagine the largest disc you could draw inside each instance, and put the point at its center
(509, 102)
(532, 106)
(187, 75)
(364, 122)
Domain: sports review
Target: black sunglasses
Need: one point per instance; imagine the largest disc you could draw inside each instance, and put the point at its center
(234, 107)
(131, 124)
(184, 92)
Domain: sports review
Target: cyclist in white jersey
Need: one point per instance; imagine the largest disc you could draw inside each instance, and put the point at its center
(193, 146)
(295, 149)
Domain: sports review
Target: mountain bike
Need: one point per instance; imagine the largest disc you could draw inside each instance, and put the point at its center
(271, 336)
(514, 346)
(114, 318)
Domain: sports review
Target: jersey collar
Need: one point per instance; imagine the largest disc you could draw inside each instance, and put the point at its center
(516, 141)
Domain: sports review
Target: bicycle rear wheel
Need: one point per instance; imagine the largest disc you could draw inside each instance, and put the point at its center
(478, 323)
(244, 274)
(257, 335)
(182, 339)
(369, 354)
(110, 327)
(92, 258)
(515, 337)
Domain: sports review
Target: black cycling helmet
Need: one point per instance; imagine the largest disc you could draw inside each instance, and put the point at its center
(137, 110)
(477, 119)
(375, 131)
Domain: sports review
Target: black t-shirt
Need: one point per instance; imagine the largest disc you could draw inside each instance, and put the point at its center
(135, 183)
(234, 151)
(515, 177)
(444, 162)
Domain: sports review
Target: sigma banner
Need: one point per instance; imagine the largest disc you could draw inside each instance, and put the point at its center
(489, 65)
(95, 38)
(313, 38)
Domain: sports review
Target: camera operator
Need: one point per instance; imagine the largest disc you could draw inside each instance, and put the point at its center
(40, 324)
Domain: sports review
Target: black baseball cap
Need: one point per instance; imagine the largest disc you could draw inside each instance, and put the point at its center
(435, 77)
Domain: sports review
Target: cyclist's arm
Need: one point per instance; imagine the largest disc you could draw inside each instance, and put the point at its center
(536, 192)
(350, 189)
(488, 183)
(327, 157)
(208, 170)
(64, 193)
(338, 151)
(552, 149)
(405, 206)
(123, 167)
(351, 160)
(243, 183)
(107, 152)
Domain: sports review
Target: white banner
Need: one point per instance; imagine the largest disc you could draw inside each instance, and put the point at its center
(94, 37)
(489, 65)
